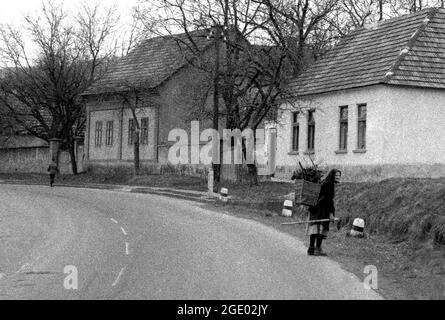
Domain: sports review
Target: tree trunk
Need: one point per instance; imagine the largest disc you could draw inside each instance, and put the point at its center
(137, 164)
(252, 171)
(253, 174)
(73, 159)
(216, 177)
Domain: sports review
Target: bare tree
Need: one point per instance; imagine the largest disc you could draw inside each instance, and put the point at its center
(43, 81)
(400, 7)
(262, 44)
(357, 13)
(303, 21)
(7, 124)
(259, 46)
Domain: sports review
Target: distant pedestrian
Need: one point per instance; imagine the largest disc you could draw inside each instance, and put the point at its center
(324, 209)
(53, 169)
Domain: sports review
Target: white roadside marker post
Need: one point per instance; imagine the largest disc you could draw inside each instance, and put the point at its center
(287, 208)
(224, 195)
(358, 228)
(210, 182)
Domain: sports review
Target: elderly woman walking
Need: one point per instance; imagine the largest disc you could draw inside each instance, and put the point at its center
(324, 209)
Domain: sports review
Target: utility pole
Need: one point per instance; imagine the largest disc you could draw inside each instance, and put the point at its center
(381, 10)
(216, 141)
(219, 35)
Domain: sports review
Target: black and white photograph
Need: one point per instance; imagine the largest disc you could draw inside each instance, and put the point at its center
(222, 155)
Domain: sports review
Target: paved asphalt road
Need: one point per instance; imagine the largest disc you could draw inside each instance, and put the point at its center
(135, 246)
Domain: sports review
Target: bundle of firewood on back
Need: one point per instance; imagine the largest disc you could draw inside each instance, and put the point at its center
(307, 185)
(311, 174)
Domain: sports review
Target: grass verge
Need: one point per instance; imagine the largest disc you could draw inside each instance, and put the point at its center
(164, 181)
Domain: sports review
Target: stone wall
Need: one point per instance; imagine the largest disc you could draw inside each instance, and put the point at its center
(32, 160)
(35, 160)
(231, 173)
(146, 168)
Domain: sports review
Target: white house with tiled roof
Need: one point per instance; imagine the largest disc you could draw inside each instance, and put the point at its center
(374, 105)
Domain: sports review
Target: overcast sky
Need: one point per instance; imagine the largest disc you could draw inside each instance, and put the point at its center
(13, 10)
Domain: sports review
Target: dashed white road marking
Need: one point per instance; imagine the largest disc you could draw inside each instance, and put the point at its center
(118, 277)
(28, 266)
(24, 267)
(127, 252)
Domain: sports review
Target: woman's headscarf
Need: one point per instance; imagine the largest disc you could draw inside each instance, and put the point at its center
(331, 176)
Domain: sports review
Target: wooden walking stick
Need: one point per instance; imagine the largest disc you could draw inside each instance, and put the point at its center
(338, 220)
(307, 222)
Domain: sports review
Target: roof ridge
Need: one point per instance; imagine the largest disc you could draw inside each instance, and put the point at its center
(152, 62)
(411, 42)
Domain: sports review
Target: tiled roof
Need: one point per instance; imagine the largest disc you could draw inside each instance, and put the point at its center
(15, 141)
(152, 62)
(408, 50)
(27, 119)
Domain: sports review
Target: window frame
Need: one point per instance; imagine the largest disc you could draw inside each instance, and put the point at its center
(311, 133)
(131, 131)
(361, 126)
(295, 125)
(145, 130)
(109, 133)
(98, 134)
(344, 128)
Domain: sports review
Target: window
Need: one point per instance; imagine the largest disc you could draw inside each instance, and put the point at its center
(144, 130)
(361, 141)
(109, 133)
(295, 132)
(311, 131)
(98, 134)
(131, 130)
(343, 128)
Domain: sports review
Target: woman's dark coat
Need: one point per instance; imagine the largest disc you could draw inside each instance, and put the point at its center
(325, 204)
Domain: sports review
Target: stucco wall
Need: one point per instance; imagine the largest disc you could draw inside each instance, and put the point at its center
(415, 126)
(104, 151)
(327, 128)
(405, 133)
(181, 98)
(112, 110)
(147, 151)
